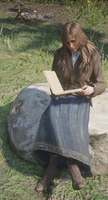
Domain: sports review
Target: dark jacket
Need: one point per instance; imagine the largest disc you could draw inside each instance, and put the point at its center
(72, 77)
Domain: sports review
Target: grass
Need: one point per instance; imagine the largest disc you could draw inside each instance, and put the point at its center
(26, 48)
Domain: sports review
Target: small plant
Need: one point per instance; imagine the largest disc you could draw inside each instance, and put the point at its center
(1, 31)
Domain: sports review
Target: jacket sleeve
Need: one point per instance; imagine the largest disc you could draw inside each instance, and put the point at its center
(54, 64)
(97, 77)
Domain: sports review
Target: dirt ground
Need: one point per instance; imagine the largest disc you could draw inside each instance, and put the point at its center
(59, 12)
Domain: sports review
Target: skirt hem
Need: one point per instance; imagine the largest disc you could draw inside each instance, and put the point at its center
(62, 152)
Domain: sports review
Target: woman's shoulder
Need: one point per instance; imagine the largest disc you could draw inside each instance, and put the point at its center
(96, 55)
(59, 50)
(62, 52)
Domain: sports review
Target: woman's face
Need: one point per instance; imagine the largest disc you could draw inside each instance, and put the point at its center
(72, 44)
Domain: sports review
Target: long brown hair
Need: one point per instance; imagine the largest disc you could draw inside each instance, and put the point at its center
(74, 29)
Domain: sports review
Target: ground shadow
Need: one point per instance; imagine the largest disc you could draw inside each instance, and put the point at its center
(46, 34)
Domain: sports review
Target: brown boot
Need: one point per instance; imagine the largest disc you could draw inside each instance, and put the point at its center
(49, 175)
(78, 182)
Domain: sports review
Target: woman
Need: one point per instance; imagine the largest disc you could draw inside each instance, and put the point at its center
(63, 136)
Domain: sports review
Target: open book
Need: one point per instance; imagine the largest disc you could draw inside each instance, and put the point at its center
(55, 85)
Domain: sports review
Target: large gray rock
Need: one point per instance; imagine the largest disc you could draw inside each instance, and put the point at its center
(25, 114)
(98, 131)
(24, 117)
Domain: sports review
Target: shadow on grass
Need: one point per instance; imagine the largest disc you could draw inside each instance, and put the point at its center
(40, 34)
(46, 35)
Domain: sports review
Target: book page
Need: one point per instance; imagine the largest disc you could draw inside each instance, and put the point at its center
(55, 85)
(53, 81)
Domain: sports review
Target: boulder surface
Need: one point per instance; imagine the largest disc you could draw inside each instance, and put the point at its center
(24, 118)
(98, 132)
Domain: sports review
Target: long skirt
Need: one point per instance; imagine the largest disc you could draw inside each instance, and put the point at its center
(63, 129)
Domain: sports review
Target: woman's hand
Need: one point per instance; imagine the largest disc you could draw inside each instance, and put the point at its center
(87, 90)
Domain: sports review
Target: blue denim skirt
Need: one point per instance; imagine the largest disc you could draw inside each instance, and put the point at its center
(63, 129)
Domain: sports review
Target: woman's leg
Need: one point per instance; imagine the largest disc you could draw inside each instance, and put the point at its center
(49, 175)
(78, 182)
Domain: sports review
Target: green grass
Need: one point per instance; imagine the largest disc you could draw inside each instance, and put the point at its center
(26, 49)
